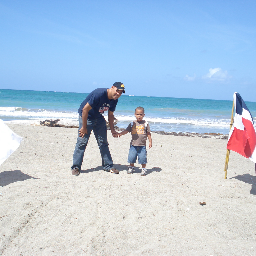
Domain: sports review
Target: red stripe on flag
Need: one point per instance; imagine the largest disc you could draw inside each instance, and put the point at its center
(243, 141)
(237, 141)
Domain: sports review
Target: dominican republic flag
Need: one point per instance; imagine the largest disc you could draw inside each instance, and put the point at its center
(242, 136)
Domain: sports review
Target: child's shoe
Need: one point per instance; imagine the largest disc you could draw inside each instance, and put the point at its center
(130, 170)
(143, 172)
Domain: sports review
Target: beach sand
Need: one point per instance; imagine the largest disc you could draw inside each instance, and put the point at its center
(184, 206)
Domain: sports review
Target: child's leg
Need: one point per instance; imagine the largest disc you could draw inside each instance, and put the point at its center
(142, 157)
(130, 169)
(143, 170)
(132, 159)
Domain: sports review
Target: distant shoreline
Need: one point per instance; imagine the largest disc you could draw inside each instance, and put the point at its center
(56, 123)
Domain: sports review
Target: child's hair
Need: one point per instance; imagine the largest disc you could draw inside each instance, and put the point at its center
(140, 108)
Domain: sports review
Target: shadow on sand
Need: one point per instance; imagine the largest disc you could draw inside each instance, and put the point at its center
(121, 168)
(248, 178)
(8, 177)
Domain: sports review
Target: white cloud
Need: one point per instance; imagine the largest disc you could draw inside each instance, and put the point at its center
(190, 78)
(217, 74)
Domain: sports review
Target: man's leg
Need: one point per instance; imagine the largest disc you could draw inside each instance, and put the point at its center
(81, 146)
(100, 132)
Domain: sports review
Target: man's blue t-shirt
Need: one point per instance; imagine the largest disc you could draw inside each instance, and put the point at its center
(98, 100)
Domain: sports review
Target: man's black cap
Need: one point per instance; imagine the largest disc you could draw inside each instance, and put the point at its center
(119, 86)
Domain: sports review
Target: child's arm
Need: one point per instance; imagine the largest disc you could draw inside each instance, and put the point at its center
(122, 133)
(128, 129)
(150, 139)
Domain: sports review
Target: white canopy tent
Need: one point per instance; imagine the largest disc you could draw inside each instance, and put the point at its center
(9, 141)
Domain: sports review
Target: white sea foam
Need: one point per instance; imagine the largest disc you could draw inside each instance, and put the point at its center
(197, 122)
(18, 112)
(21, 115)
(29, 116)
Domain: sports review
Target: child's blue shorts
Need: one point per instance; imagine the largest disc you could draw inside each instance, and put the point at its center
(139, 151)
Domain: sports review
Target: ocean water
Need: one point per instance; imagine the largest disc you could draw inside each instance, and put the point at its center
(163, 113)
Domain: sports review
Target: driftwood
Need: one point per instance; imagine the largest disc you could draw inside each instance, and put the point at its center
(54, 123)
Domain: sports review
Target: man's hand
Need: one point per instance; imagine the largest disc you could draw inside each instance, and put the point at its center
(115, 134)
(85, 111)
(82, 132)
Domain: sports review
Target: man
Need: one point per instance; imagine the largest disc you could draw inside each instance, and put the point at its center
(90, 118)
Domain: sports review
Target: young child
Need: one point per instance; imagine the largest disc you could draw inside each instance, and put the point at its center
(140, 131)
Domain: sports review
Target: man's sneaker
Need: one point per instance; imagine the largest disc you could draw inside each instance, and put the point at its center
(143, 172)
(75, 171)
(114, 170)
(130, 170)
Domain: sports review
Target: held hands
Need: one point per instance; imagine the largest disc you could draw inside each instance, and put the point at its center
(115, 134)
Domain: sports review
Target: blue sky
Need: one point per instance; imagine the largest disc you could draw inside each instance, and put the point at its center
(185, 49)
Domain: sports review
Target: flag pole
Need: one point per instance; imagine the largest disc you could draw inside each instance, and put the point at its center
(228, 151)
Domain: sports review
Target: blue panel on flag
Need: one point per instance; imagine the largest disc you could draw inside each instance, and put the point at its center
(239, 103)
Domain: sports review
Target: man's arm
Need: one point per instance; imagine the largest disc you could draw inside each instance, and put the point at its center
(85, 112)
(111, 123)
